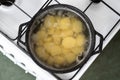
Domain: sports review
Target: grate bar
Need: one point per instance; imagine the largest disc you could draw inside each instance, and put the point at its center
(111, 8)
(112, 29)
(87, 7)
(22, 10)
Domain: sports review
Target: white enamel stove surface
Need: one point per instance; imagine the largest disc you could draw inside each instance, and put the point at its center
(102, 17)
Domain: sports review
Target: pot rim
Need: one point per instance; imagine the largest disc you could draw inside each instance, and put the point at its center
(89, 26)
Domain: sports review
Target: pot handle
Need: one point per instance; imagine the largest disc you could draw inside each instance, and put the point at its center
(21, 32)
(98, 49)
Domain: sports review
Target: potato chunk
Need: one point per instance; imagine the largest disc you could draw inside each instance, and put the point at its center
(50, 61)
(55, 50)
(47, 46)
(65, 51)
(78, 50)
(48, 39)
(59, 61)
(59, 40)
(50, 31)
(81, 40)
(41, 53)
(66, 33)
(69, 42)
(77, 26)
(41, 34)
(70, 57)
(64, 23)
(49, 21)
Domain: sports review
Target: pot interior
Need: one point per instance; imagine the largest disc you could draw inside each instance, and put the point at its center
(54, 44)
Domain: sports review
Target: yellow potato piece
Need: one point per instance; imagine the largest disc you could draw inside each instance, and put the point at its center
(41, 53)
(69, 42)
(57, 31)
(50, 61)
(37, 39)
(55, 50)
(81, 40)
(52, 49)
(41, 34)
(70, 58)
(42, 28)
(66, 33)
(48, 39)
(77, 26)
(64, 23)
(59, 61)
(58, 18)
(40, 43)
(50, 31)
(65, 51)
(78, 50)
(57, 40)
(48, 46)
(49, 21)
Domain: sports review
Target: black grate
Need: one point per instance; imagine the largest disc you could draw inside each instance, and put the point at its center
(7, 2)
(23, 27)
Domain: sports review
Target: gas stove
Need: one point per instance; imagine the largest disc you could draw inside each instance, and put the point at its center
(104, 14)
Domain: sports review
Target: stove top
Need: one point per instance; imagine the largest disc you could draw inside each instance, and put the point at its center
(104, 15)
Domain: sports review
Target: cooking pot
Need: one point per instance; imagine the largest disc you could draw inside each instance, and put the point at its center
(34, 25)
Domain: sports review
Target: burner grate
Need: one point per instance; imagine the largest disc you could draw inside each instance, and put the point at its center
(22, 30)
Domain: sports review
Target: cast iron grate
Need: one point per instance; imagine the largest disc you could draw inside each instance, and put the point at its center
(23, 28)
(7, 2)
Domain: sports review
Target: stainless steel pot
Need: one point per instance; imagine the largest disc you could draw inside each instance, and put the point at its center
(89, 31)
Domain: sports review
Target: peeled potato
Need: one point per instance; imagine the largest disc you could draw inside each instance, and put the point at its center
(59, 40)
(81, 40)
(66, 33)
(59, 61)
(42, 34)
(69, 42)
(65, 51)
(40, 43)
(49, 21)
(70, 58)
(52, 49)
(78, 50)
(41, 53)
(77, 26)
(55, 50)
(37, 40)
(50, 61)
(48, 45)
(51, 31)
(64, 23)
(57, 31)
(43, 28)
(48, 39)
